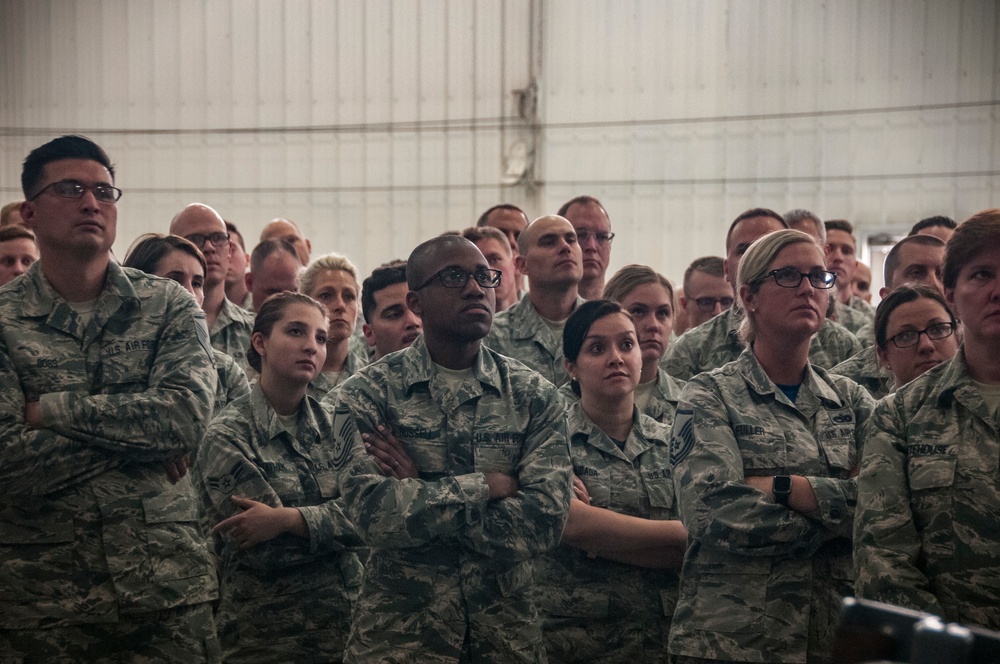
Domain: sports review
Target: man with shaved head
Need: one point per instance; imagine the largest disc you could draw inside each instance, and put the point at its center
(228, 324)
(717, 342)
(454, 465)
(274, 268)
(531, 330)
(288, 230)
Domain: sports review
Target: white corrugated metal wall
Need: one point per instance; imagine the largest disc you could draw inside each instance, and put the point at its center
(376, 124)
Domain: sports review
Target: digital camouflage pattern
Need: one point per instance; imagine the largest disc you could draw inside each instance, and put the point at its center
(451, 573)
(865, 308)
(761, 582)
(324, 383)
(231, 331)
(662, 403)
(597, 610)
(91, 529)
(853, 319)
(232, 382)
(866, 335)
(288, 599)
(865, 370)
(520, 332)
(717, 342)
(929, 500)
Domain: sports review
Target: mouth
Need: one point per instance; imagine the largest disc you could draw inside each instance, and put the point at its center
(307, 364)
(90, 224)
(477, 309)
(409, 338)
(614, 375)
(651, 343)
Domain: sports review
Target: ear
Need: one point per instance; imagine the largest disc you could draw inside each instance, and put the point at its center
(309, 246)
(882, 292)
(28, 214)
(248, 280)
(369, 334)
(257, 341)
(570, 367)
(746, 297)
(949, 297)
(413, 302)
(519, 263)
(683, 301)
(725, 271)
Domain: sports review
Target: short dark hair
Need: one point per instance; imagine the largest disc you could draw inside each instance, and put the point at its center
(385, 275)
(578, 325)
(417, 262)
(892, 259)
(979, 232)
(235, 233)
(268, 247)
(64, 147)
(839, 225)
(749, 214)
(270, 313)
(484, 218)
(581, 200)
(931, 222)
(148, 250)
(711, 265)
(897, 298)
(476, 234)
(15, 232)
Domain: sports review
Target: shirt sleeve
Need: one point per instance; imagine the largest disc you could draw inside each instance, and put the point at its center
(717, 507)
(532, 522)
(166, 418)
(390, 513)
(887, 545)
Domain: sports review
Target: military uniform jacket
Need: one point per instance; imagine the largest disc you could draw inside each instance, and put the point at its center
(90, 526)
(762, 582)
(717, 342)
(288, 586)
(858, 304)
(662, 402)
(231, 331)
(865, 370)
(929, 500)
(323, 384)
(520, 332)
(634, 480)
(851, 318)
(445, 559)
(232, 380)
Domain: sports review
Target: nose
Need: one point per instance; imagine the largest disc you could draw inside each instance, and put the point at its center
(410, 320)
(924, 343)
(472, 288)
(717, 308)
(89, 201)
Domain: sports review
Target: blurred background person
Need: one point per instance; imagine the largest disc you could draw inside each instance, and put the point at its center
(18, 251)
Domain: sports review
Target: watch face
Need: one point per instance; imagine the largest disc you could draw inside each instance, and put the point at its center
(782, 484)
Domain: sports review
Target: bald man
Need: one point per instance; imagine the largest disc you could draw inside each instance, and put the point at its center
(228, 324)
(288, 230)
(531, 330)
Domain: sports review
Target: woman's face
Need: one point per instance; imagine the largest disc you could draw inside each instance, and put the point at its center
(295, 350)
(186, 270)
(652, 310)
(975, 299)
(916, 316)
(609, 363)
(338, 292)
(782, 312)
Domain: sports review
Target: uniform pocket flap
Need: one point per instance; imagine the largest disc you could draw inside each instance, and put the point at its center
(932, 472)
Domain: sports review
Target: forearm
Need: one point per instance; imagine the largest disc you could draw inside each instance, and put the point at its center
(327, 527)
(599, 530)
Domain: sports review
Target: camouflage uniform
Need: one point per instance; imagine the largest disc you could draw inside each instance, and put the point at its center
(762, 582)
(597, 610)
(91, 529)
(232, 382)
(231, 331)
(662, 404)
(451, 573)
(323, 384)
(717, 342)
(857, 304)
(929, 500)
(865, 370)
(521, 333)
(866, 335)
(287, 599)
(851, 318)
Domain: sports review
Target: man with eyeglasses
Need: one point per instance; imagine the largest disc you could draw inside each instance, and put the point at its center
(106, 385)
(593, 231)
(454, 465)
(916, 259)
(228, 324)
(531, 330)
(717, 341)
(706, 291)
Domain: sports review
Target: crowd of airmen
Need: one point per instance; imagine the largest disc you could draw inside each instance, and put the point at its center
(519, 461)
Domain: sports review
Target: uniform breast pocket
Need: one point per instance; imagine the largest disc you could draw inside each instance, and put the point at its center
(326, 480)
(176, 548)
(497, 455)
(932, 493)
(124, 373)
(660, 493)
(288, 486)
(761, 452)
(837, 439)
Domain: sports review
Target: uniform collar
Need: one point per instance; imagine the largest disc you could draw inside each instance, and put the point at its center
(814, 383)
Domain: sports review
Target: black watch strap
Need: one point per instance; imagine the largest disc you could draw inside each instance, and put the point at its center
(781, 487)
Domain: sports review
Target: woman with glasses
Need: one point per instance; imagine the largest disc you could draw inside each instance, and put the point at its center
(268, 472)
(914, 332)
(648, 297)
(929, 490)
(764, 452)
(608, 590)
(332, 280)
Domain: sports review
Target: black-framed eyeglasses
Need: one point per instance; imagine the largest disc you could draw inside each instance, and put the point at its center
(217, 239)
(602, 237)
(707, 304)
(790, 277)
(911, 338)
(104, 193)
(456, 277)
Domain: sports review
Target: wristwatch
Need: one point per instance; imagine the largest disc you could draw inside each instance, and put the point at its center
(781, 486)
